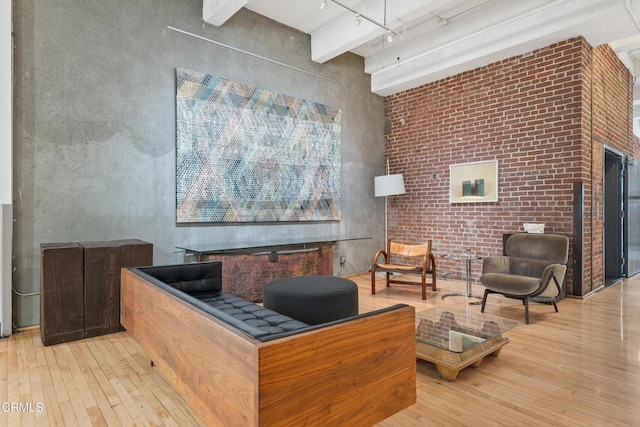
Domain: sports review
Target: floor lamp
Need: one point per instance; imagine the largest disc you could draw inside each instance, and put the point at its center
(388, 185)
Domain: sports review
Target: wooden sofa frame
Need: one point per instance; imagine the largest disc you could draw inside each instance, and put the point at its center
(356, 372)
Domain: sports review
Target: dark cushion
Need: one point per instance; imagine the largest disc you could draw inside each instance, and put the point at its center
(190, 278)
(252, 314)
(254, 328)
(312, 299)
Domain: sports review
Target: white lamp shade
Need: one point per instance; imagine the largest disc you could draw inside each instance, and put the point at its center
(388, 185)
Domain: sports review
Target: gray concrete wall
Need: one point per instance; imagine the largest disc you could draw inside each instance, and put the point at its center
(94, 127)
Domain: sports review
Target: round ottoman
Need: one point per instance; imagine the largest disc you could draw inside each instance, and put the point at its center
(312, 299)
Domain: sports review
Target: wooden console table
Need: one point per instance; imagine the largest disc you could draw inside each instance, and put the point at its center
(248, 266)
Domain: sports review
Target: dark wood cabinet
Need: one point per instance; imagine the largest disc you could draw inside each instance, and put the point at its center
(80, 287)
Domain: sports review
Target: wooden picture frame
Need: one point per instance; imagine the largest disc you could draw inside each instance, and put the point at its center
(474, 182)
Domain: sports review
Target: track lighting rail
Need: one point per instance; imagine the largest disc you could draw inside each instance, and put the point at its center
(359, 16)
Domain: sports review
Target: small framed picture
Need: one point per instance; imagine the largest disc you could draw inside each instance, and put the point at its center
(473, 182)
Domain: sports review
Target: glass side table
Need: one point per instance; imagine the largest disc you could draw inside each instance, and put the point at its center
(468, 257)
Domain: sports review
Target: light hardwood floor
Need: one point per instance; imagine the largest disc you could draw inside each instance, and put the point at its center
(577, 367)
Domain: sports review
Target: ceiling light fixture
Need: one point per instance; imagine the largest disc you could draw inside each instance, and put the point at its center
(390, 37)
(359, 17)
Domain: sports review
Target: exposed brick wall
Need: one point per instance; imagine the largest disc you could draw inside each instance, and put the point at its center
(533, 114)
(612, 100)
(611, 108)
(586, 162)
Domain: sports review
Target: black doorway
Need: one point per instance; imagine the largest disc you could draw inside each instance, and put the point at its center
(614, 257)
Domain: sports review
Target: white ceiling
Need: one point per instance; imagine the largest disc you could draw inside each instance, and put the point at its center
(441, 38)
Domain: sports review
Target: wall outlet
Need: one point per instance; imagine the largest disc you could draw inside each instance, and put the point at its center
(343, 259)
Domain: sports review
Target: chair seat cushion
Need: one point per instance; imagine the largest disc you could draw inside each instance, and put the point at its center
(510, 284)
(399, 267)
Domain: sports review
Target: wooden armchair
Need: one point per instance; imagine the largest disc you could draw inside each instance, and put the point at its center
(397, 259)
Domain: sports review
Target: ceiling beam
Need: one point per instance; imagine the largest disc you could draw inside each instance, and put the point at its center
(518, 35)
(342, 34)
(217, 12)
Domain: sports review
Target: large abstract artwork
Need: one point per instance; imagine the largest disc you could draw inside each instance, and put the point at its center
(246, 154)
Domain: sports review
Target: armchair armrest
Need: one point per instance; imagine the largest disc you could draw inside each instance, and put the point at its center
(381, 252)
(553, 273)
(431, 261)
(495, 264)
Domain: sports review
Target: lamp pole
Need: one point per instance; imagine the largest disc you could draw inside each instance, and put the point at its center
(388, 185)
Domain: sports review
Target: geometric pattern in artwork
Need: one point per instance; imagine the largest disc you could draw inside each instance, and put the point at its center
(245, 154)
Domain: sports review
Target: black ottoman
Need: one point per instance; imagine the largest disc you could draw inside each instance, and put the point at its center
(312, 299)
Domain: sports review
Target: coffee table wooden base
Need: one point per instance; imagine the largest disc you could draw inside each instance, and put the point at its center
(450, 363)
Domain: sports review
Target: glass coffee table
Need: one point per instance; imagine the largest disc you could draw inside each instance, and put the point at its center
(453, 339)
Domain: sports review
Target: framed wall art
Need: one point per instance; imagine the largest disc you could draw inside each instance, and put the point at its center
(247, 154)
(473, 182)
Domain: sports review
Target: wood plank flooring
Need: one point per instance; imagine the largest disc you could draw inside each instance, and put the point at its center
(578, 367)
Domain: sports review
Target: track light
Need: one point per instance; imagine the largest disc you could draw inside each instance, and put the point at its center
(358, 17)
